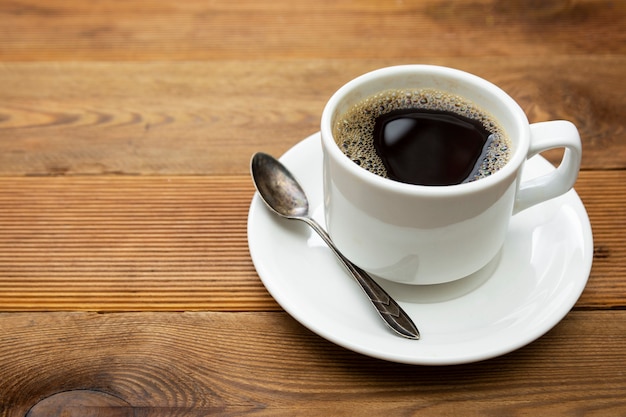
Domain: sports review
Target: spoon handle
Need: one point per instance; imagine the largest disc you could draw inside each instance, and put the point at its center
(388, 309)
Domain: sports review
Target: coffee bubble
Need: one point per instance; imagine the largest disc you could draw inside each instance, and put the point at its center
(354, 130)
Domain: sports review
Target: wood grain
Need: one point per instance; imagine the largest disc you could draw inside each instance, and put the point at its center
(126, 128)
(81, 403)
(124, 243)
(179, 243)
(200, 118)
(172, 364)
(60, 30)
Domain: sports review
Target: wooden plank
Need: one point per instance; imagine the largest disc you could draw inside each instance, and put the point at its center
(604, 196)
(165, 364)
(118, 243)
(123, 243)
(61, 30)
(200, 118)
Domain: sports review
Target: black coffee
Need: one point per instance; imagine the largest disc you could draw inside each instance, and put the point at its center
(430, 147)
(423, 137)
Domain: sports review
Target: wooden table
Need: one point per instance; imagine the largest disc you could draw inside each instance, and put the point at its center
(126, 129)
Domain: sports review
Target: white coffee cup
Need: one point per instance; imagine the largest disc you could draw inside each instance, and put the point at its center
(417, 234)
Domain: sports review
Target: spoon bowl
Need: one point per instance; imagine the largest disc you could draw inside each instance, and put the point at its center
(278, 188)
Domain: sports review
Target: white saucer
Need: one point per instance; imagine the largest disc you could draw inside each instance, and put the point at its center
(537, 278)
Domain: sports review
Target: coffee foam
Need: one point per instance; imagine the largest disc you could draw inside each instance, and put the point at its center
(354, 130)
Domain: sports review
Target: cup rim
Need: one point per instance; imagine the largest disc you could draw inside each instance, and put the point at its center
(520, 148)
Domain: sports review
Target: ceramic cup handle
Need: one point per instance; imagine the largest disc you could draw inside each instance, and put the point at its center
(544, 136)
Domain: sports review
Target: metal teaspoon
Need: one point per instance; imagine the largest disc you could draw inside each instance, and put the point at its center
(280, 191)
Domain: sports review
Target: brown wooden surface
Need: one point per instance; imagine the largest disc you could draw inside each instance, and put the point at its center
(126, 128)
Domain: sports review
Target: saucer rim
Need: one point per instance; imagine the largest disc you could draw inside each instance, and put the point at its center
(323, 330)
